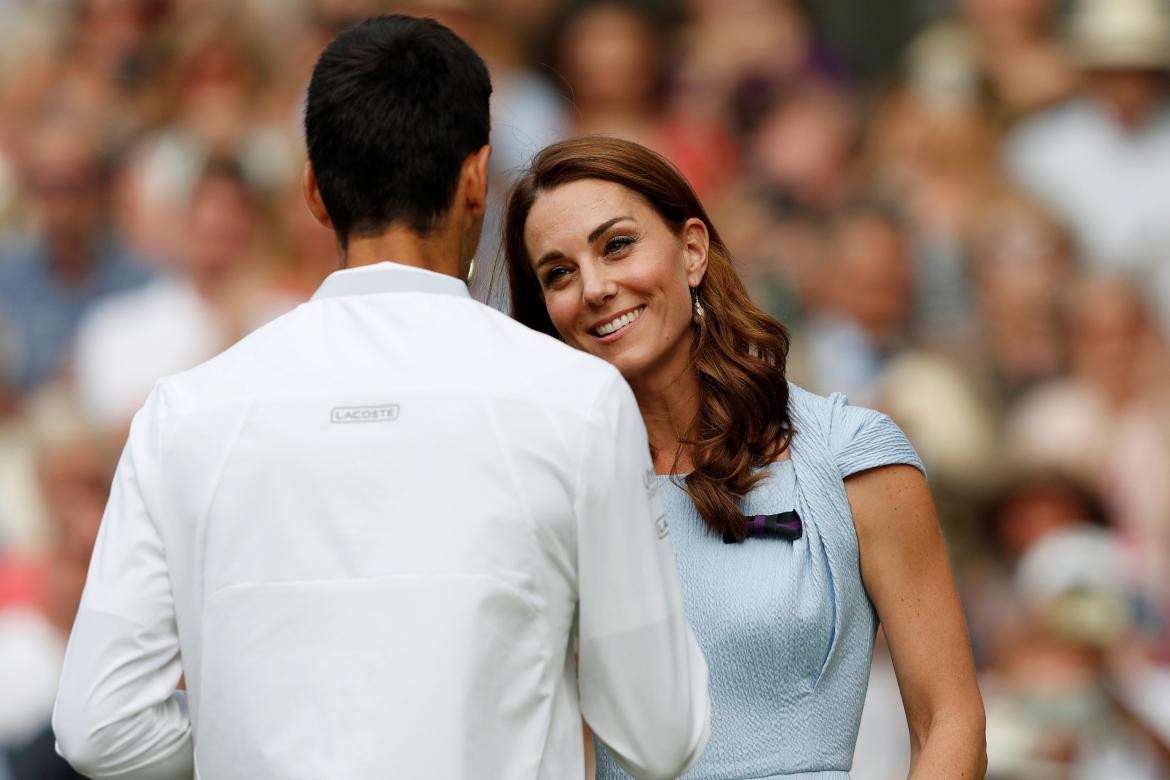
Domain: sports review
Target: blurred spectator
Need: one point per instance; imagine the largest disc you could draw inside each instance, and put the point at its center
(1022, 503)
(219, 294)
(30, 654)
(610, 55)
(210, 106)
(799, 166)
(931, 148)
(51, 278)
(215, 76)
(1099, 161)
(112, 37)
(802, 151)
(1054, 703)
(39, 597)
(734, 61)
(735, 53)
(27, 42)
(1022, 58)
(613, 57)
(952, 428)
(849, 342)
(1108, 419)
(1020, 259)
(23, 527)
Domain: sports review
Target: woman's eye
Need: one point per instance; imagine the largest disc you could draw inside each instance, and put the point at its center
(554, 275)
(617, 244)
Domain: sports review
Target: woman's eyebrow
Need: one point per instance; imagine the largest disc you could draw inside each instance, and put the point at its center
(548, 257)
(604, 226)
(556, 254)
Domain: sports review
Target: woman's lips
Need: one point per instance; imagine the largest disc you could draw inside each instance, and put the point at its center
(614, 328)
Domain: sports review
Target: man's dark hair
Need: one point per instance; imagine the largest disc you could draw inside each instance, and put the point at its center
(394, 107)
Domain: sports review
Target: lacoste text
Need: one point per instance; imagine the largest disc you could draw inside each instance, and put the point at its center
(363, 414)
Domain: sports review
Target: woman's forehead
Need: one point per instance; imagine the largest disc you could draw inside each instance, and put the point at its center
(580, 206)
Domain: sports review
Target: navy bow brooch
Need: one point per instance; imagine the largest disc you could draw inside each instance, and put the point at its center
(784, 525)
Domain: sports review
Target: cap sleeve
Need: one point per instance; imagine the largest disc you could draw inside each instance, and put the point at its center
(861, 439)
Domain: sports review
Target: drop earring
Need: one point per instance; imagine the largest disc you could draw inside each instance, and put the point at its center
(698, 310)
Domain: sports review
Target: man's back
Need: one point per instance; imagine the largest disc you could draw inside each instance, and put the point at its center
(380, 455)
(366, 514)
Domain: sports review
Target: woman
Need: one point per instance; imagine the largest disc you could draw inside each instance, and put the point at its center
(609, 250)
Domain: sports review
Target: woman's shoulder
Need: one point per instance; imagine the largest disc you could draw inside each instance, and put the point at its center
(830, 417)
(855, 437)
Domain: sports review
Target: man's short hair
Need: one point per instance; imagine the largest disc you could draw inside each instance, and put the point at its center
(395, 105)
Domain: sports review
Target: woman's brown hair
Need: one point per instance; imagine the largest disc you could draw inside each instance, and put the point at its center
(738, 351)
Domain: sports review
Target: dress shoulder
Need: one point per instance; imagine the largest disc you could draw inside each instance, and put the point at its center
(855, 437)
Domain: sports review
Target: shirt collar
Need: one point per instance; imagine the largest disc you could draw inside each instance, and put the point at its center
(387, 277)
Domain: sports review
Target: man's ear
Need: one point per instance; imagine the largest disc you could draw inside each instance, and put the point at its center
(474, 178)
(696, 241)
(313, 197)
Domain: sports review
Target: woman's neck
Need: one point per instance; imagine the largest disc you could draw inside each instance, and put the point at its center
(670, 408)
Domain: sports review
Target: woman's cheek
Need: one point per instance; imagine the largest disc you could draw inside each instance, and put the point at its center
(560, 313)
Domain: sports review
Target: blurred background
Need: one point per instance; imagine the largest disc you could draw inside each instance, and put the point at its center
(960, 208)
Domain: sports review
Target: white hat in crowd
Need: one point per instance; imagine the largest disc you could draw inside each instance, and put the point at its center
(1121, 33)
(1076, 579)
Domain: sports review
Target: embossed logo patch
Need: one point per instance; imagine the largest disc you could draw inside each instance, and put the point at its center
(363, 414)
(662, 526)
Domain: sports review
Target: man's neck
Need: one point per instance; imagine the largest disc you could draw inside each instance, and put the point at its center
(437, 252)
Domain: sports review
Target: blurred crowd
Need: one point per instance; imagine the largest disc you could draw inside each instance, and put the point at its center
(961, 210)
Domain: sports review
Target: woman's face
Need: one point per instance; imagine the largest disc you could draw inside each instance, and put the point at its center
(615, 278)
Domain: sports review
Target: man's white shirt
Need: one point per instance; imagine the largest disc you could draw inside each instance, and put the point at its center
(370, 536)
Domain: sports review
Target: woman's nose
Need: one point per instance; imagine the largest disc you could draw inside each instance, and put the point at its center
(597, 286)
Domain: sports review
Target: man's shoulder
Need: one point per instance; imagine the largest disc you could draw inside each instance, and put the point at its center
(540, 362)
(235, 373)
(490, 355)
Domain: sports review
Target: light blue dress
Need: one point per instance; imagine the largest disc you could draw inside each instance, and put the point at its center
(786, 626)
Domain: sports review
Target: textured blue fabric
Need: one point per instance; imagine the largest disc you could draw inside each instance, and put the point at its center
(786, 626)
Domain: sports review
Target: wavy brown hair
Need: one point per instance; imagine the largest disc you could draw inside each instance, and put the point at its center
(738, 351)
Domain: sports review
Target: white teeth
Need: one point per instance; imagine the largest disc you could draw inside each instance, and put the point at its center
(618, 323)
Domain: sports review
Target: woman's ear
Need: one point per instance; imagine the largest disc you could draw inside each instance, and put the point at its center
(696, 242)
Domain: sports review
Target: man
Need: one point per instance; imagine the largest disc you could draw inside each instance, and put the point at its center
(52, 278)
(1099, 161)
(215, 296)
(368, 533)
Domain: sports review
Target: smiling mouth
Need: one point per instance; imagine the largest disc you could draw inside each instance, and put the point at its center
(617, 323)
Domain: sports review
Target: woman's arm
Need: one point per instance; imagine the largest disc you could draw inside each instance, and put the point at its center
(908, 577)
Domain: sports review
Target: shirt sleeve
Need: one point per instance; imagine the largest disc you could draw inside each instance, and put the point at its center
(118, 713)
(863, 439)
(643, 678)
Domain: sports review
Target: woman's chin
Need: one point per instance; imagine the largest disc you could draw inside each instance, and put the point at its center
(638, 364)
(619, 360)
(629, 366)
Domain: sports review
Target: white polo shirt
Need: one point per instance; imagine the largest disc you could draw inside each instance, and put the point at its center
(368, 534)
